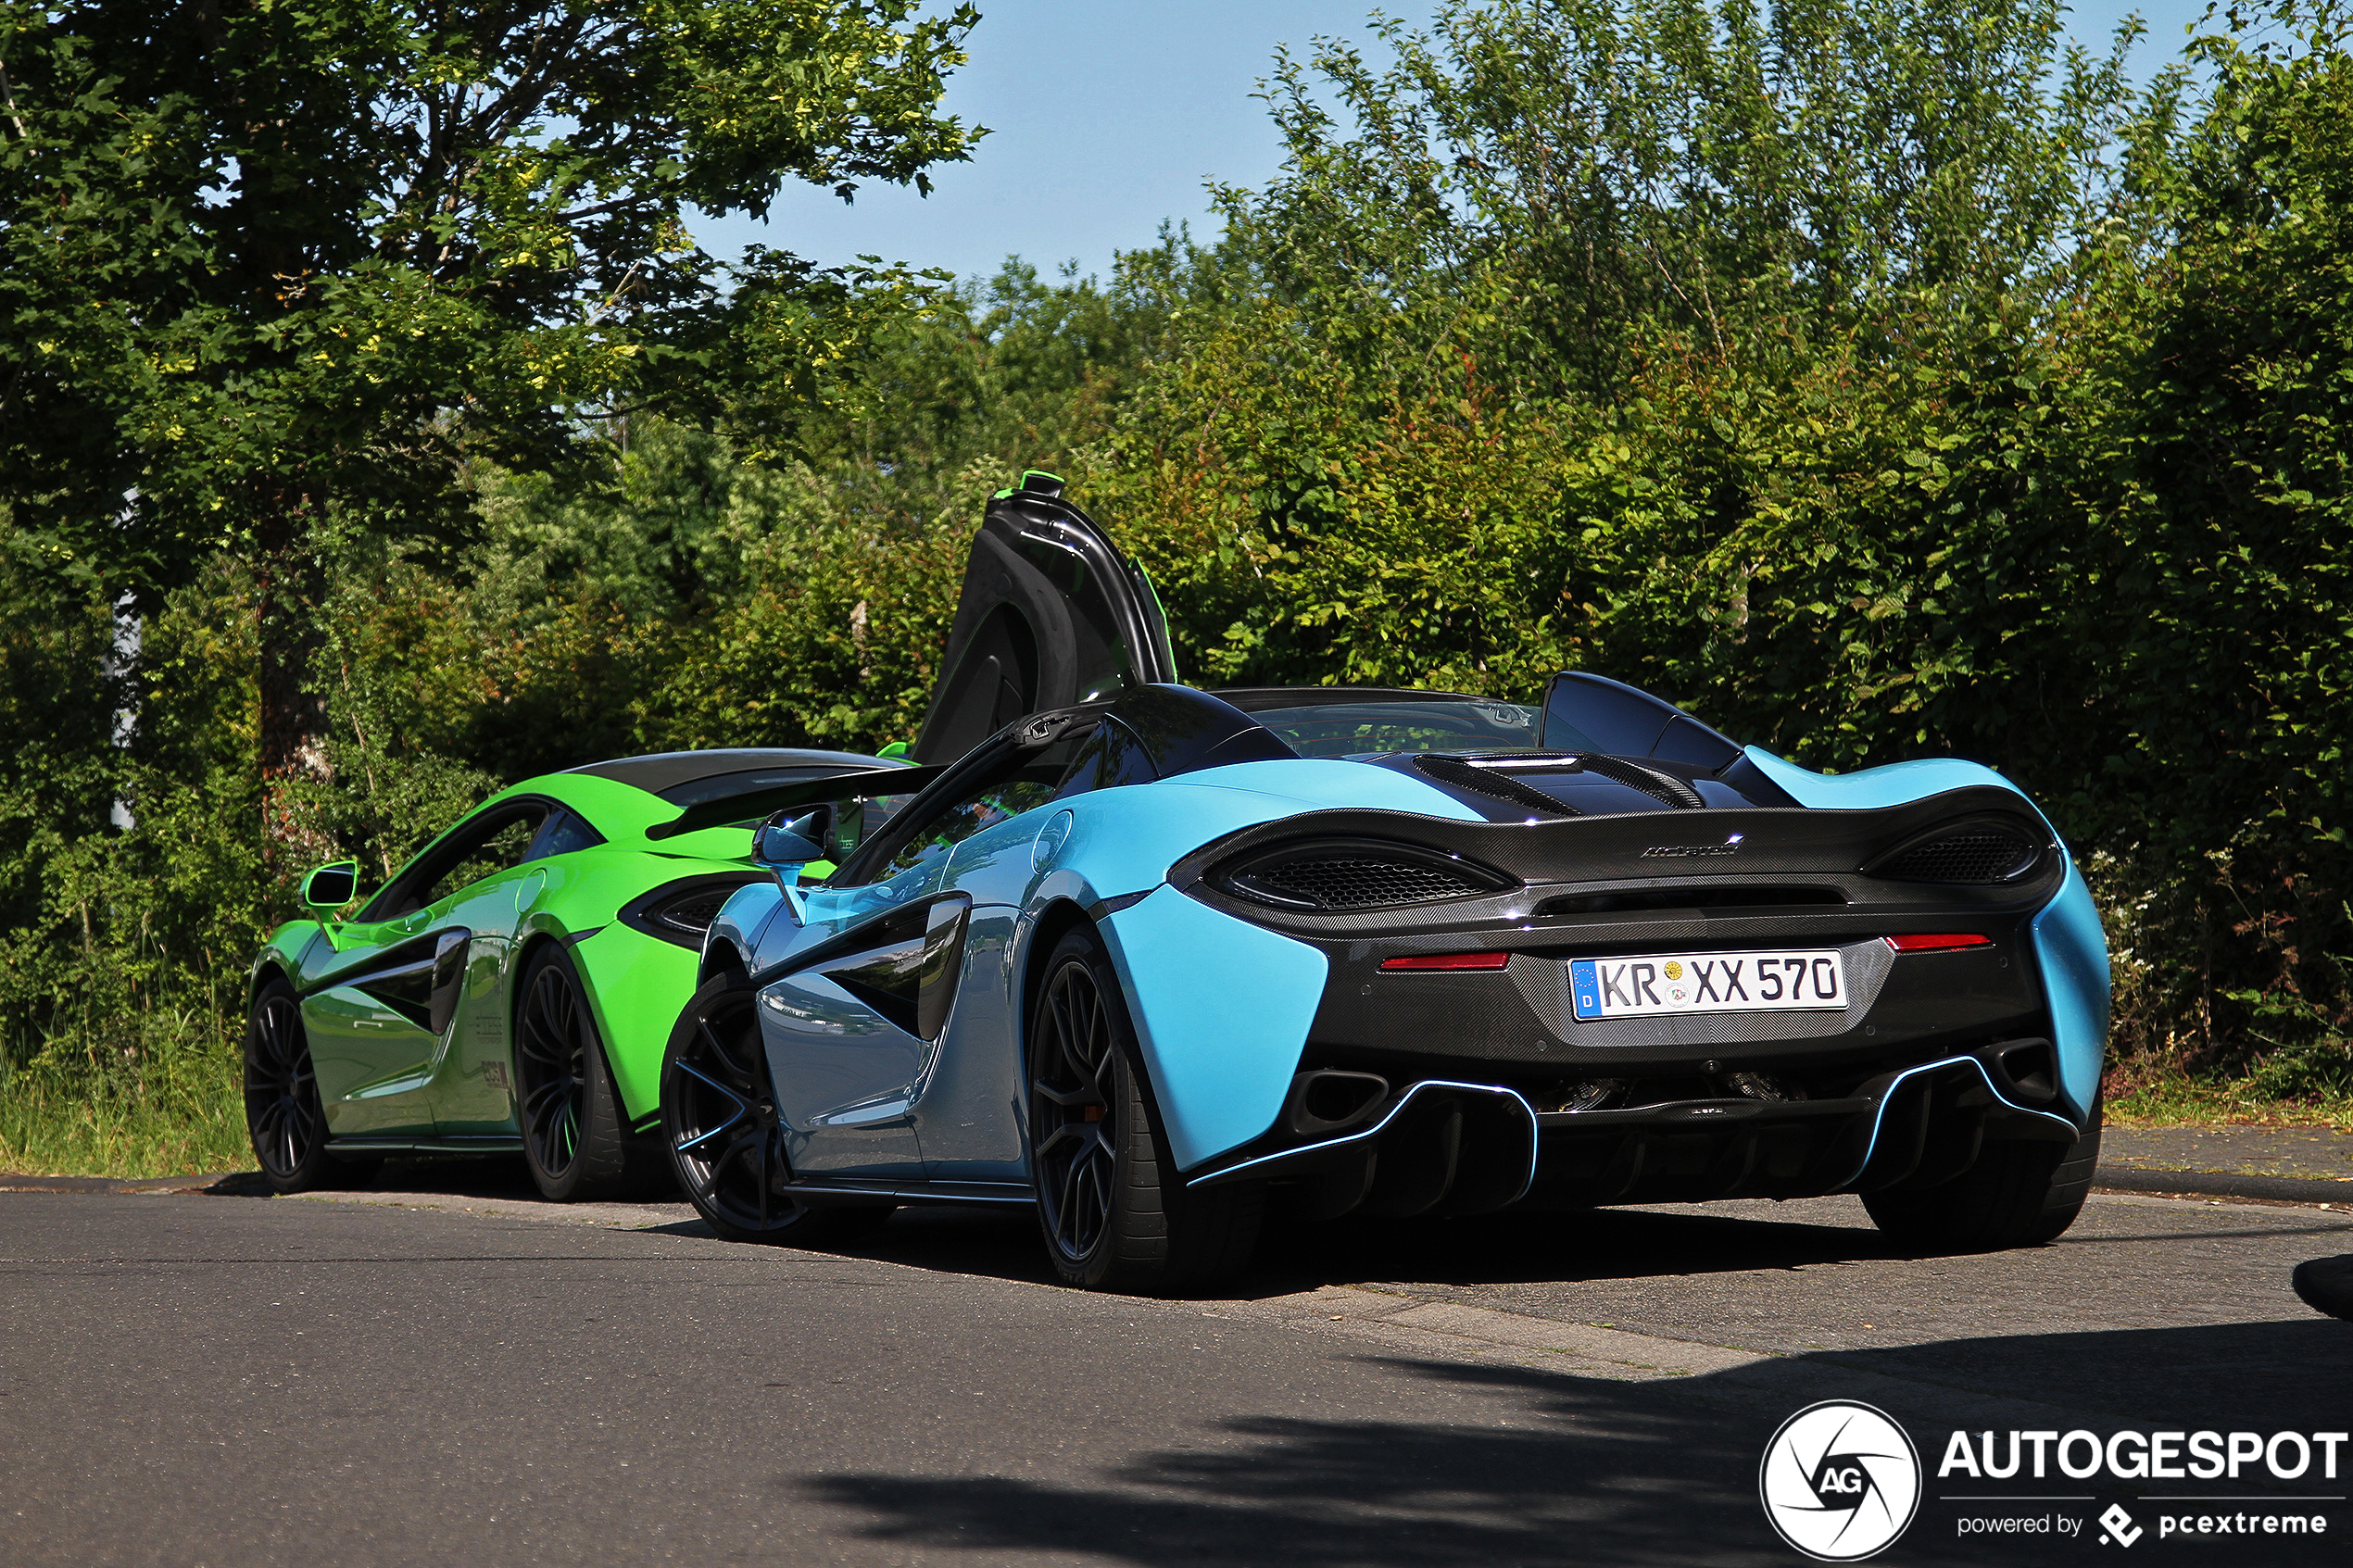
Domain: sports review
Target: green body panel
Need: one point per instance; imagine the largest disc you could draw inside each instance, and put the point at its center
(382, 1074)
(637, 986)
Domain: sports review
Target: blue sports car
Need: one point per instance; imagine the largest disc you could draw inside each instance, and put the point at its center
(1150, 958)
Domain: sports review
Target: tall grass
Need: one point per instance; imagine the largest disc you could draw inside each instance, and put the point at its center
(151, 1093)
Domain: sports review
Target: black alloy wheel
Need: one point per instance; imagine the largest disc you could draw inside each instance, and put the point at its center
(1072, 1127)
(727, 1139)
(573, 1132)
(282, 1114)
(1114, 1212)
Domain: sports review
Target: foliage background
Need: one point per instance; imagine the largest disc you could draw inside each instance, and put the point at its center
(1875, 379)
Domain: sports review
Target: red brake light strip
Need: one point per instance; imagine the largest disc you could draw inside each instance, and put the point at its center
(1937, 944)
(1448, 961)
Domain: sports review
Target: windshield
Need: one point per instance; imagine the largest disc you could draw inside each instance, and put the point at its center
(1356, 729)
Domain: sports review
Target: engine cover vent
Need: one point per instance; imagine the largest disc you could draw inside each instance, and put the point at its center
(1977, 856)
(1338, 876)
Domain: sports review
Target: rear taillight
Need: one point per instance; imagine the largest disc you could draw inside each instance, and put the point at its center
(1448, 961)
(1939, 943)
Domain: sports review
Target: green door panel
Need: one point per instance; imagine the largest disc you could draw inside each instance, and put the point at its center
(379, 1029)
(473, 1087)
(375, 1028)
(373, 1063)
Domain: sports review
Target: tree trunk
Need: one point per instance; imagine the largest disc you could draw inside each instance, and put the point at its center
(289, 582)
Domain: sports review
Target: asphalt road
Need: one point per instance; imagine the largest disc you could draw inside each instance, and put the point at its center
(459, 1375)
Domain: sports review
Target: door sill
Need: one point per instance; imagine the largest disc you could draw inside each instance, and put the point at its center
(495, 1142)
(847, 1192)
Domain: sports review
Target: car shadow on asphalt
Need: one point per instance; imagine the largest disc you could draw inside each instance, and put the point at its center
(1550, 1470)
(499, 1176)
(1565, 1469)
(1603, 1244)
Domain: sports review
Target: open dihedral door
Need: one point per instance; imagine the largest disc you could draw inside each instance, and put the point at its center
(1052, 614)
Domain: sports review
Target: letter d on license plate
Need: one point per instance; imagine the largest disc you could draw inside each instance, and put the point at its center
(1800, 980)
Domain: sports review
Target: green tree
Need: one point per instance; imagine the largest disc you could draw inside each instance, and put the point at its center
(263, 261)
(1544, 181)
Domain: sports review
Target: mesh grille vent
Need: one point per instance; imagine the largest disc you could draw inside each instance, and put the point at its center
(1352, 882)
(1978, 857)
(694, 913)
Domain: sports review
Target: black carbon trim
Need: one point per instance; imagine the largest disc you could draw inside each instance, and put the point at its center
(1654, 782)
(784, 797)
(1499, 786)
(1104, 908)
(1907, 1123)
(1571, 869)
(490, 1143)
(1251, 876)
(1519, 1018)
(2031, 836)
(850, 1192)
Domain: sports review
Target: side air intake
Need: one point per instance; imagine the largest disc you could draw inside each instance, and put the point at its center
(682, 912)
(1337, 876)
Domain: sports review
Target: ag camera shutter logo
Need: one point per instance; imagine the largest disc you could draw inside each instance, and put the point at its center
(1840, 1481)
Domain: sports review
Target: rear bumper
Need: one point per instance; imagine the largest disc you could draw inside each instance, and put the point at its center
(1458, 1146)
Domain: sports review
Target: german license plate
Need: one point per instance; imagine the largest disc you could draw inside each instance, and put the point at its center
(1797, 980)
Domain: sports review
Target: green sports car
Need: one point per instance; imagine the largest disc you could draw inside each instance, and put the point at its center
(511, 989)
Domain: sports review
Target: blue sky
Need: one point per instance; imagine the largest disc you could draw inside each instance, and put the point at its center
(1106, 118)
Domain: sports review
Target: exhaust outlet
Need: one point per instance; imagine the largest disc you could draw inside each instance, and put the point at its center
(1328, 1101)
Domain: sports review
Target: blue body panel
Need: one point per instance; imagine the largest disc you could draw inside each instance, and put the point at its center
(970, 1115)
(1221, 1009)
(1898, 784)
(2071, 947)
(739, 924)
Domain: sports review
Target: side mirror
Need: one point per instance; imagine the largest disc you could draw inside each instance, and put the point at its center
(795, 842)
(331, 887)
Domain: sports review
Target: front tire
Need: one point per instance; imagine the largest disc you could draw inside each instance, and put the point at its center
(283, 1117)
(1114, 1213)
(725, 1139)
(2017, 1195)
(574, 1136)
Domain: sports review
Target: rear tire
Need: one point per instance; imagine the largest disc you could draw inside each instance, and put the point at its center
(574, 1136)
(1114, 1213)
(724, 1140)
(2017, 1195)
